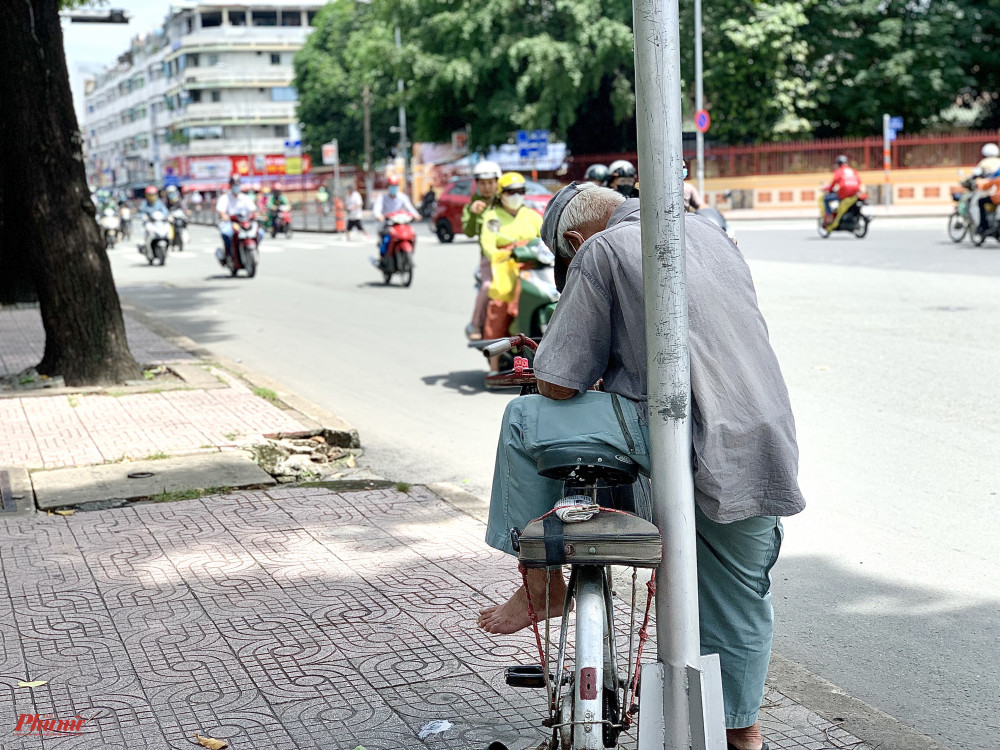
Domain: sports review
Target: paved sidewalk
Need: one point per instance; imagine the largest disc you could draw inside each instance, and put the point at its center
(288, 618)
(214, 411)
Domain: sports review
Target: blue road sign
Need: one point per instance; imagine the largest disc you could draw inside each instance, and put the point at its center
(532, 144)
(895, 123)
(892, 134)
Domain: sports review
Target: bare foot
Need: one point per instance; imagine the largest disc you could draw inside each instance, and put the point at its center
(748, 738)
(512, 615)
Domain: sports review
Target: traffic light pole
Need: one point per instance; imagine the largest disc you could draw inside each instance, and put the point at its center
(681, 700)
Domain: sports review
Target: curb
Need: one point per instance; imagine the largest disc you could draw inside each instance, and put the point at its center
(316, 419)
(874, 726)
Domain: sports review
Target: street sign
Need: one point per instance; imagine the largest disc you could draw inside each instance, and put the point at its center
(293, 165)
(331, 152)
(293, 148)
(892, 133)
(702, 121)
(532, 144)
(896, 123)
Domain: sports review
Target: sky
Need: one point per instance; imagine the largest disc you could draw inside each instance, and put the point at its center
(92, 46)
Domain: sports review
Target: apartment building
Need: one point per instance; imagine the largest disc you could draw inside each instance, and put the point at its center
(208, 94)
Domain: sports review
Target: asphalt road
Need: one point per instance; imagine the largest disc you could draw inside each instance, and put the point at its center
(890, 347)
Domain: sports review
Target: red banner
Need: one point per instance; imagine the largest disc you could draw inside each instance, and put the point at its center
(218, 168)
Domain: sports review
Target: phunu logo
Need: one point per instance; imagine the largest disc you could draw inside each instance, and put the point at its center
(47, 725)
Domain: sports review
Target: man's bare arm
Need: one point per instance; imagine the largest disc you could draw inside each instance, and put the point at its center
(556, 392)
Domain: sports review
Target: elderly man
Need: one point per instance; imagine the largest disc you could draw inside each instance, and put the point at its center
(744, 449)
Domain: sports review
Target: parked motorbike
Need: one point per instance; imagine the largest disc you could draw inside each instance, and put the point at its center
(852, 214)
(157, 238)
(535, 303)
(960, 222)
(282, 222)
(245, 253)
(110, 226)
(402, 241)
(179, 235)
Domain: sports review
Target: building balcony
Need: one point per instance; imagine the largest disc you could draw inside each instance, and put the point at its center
(225, 38)
(238, 113)
(230, 146)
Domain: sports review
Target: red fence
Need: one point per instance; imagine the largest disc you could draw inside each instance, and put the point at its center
(908, 152)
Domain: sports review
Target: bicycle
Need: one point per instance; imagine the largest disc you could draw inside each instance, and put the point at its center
(591, 704)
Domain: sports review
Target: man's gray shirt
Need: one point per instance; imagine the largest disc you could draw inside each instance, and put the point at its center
(745, 454)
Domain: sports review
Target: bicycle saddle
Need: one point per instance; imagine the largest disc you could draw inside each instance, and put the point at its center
(592, 464)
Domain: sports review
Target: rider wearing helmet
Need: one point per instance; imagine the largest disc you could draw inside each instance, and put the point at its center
(504, 226)
(391, 201)
(228, 204)
(596, 173)
(276, 201)
(486, 174)
(990, 163)
(844, 184)
(173, 195)
(152, 203)
(621, 177)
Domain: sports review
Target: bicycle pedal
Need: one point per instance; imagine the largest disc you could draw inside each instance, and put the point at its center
(525, 676)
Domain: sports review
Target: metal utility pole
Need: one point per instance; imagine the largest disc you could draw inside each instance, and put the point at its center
(404, 144)
(699, 95)
(366, 99)
(681, 693)
(886, 161)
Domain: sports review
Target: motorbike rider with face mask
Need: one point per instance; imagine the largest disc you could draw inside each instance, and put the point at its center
(621, 177)
(228, 204)
(388, 203)
(503, 227)
(486, 174)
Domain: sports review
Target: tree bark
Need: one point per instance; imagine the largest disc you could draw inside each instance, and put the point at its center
(45, 190)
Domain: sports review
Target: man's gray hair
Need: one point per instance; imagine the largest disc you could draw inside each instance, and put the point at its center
(571, 208)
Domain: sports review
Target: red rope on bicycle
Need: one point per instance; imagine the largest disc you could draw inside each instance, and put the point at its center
(533, 617)
(643, 636)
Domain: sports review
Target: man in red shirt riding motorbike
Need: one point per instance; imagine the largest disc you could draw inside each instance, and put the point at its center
(845, 183)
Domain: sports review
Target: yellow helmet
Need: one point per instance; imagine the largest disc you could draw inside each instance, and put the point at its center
(511, 181)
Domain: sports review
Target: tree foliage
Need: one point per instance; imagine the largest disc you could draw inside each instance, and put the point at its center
(773, 69)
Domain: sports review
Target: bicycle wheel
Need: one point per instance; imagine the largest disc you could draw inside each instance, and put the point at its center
(588, 672)
(957, 227)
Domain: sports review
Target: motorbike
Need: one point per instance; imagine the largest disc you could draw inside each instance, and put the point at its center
(125, 219)
(245, 253)
(535, 303)
(977, 235)
(110, 227)
(428, 205)
(157, 238)
(179, 235)
(282, 222)
(398, 257)
(852, 214)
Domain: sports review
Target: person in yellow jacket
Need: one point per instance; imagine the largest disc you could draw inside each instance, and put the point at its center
(505, 226)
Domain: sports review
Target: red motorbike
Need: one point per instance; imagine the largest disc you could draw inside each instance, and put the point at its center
(399, 255)
(282, 222)
(245, 254)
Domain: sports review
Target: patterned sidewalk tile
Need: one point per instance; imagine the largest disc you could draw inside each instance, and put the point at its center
(289, 618)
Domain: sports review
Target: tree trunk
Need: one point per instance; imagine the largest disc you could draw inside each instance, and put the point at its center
(45, 190)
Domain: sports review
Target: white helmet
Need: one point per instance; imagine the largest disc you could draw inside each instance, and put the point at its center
(486, 170)
(991, 151)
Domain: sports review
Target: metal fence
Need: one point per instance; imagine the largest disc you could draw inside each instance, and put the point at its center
(908, 152)
(309, 217)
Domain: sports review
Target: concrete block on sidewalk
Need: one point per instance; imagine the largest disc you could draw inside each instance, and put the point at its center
(84, 485)
(16, 495)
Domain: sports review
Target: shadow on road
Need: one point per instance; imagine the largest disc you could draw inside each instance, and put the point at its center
(467, 382)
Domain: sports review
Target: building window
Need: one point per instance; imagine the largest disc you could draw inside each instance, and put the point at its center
(190, 25)
(211, 19)
(265, 18)
(275, 58)
(213, 59)
(216, 96)
(310, 17)
(284, 94)
(191, 60)
(291, 18)
(280, 131)
(237, 17)
(195, 96)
